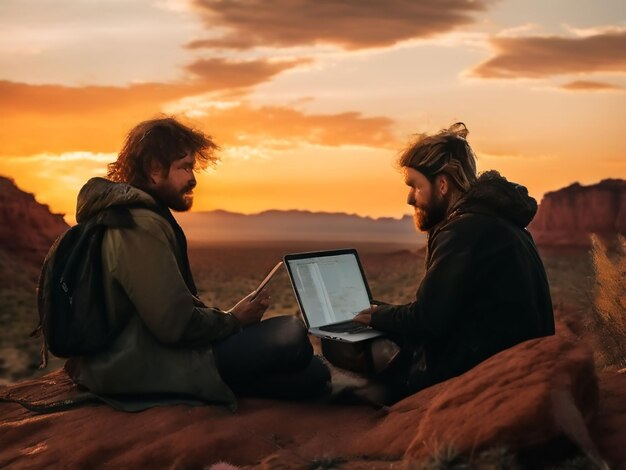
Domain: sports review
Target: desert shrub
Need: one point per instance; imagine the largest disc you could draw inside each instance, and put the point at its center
(609, 294)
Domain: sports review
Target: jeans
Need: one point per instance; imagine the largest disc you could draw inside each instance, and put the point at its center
(272, 359)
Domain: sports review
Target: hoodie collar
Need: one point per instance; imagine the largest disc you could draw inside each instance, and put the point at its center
(493, 194)
(99, 194)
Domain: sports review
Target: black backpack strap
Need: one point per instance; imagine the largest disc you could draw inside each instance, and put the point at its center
(44, 356)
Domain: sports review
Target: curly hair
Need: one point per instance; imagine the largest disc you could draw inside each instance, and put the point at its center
(161, 141)
(445, 152)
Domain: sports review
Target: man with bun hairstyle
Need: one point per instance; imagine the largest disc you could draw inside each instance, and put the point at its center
(485, 287)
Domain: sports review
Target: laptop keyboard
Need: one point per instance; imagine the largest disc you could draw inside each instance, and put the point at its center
(345, 327)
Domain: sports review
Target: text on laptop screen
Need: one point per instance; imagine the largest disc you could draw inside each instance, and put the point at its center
(331, 288)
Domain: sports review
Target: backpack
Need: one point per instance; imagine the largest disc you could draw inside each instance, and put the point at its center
(70, 293)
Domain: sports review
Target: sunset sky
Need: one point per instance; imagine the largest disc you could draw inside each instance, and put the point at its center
(311, 100)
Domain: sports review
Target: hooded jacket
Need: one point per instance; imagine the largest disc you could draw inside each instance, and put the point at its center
(164, 346)
(484, 289)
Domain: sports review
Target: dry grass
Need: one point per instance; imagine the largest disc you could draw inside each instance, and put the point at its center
(609, 299)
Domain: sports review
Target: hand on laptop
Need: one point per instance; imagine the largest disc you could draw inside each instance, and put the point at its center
(365, 316)
(250, 310)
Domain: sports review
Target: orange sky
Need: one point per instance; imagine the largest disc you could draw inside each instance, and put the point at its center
(311, 101)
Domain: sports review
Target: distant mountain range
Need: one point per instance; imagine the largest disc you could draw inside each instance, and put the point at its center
(270, 225)
(565, 218)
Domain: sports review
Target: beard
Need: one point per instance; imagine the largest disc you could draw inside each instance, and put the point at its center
(177, 199)
(425, 218)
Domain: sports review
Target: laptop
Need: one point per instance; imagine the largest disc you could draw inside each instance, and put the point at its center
(331, 288)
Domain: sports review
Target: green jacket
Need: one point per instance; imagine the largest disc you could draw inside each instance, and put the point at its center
(164, 347)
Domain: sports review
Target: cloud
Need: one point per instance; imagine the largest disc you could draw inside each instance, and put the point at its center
(517, 31)
(64, 157)
(177, 6)
(55, 119)
(21, 98)
(546, 56)
(209, 75)
(349, 24)
(587, 85)
(223, 74)
(283, 128)
(593, 31)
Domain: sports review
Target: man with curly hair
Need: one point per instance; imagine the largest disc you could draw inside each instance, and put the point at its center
(169, 343)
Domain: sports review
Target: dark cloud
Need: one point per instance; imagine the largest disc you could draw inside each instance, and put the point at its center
(538, 57)
(586, 85)
(348, 23)
(223, 74)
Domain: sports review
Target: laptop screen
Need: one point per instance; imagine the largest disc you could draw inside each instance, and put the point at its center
(330, 286)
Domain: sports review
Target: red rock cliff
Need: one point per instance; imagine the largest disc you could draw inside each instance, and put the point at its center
(27, 228)
(568, 216)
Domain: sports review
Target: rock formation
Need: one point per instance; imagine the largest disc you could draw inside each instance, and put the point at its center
(568, 216)
(541, 399)
(27, 228)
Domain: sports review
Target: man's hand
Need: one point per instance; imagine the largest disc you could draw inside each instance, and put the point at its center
(249, 311)
(365, 316)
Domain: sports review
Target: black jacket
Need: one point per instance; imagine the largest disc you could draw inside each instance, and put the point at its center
(485, 287)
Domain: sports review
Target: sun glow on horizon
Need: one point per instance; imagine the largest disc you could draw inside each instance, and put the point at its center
(313, 117)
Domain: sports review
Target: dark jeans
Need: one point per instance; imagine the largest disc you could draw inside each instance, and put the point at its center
(393, 370)
(273, 359)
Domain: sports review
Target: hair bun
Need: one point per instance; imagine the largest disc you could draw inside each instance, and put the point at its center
(459, 129)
